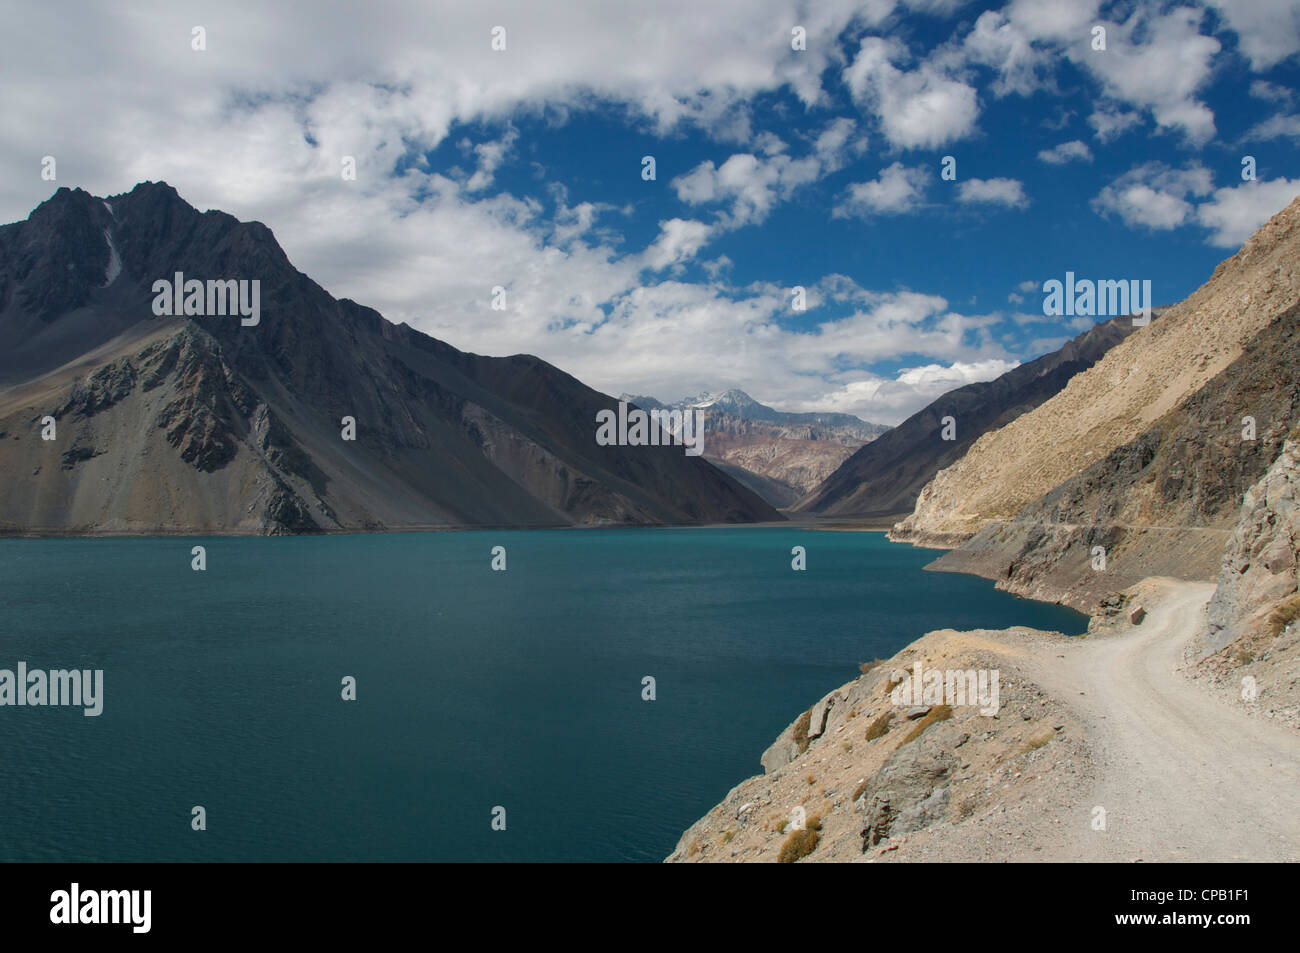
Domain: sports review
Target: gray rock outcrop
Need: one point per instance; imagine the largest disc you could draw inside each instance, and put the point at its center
(1260, 567)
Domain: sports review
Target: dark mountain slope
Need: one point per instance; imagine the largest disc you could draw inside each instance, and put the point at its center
(170, 424)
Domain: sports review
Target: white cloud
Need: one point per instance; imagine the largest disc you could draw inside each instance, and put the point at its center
(490, 156)
(892, 400)
(896, 190)
(1158, 63)
(257, 127)
(672, 338)
(753, 185)
(1041, 346)
(937, 8)
(920, 108)
(1156, 60)
(941, 379)
(1285, 126)
(383, 84)
(1062, 22)
(679, 239)
(1268, 31)
(995, 41)
(1236, 213)
(1009, 192)
(1110, 120)
(1071, 151)
(573, 222)
(1159, 197)
(1154, 195)
(837, 143)
(1263, 89)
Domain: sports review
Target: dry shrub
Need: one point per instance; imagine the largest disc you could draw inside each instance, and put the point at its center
(801, 730)
(1284, 614)
(801, 843)
(1039, 738)
(936, 714)
(880, 725)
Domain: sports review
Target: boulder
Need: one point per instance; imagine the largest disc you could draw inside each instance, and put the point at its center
(908, 793)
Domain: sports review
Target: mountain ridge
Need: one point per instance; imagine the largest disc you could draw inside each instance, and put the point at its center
(252, 417)
(778, 454)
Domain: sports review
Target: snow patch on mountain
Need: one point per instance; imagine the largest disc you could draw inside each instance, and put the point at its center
(114, 259)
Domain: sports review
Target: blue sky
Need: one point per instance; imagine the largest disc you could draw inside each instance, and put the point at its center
(521, 168)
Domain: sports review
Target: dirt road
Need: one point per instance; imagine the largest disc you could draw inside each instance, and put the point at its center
(1185, 776)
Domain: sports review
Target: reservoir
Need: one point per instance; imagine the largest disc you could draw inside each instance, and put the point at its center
(475, 689)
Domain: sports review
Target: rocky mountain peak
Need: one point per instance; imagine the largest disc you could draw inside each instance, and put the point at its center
(318, 415)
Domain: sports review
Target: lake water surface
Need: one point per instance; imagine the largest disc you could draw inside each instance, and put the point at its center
(475, 688)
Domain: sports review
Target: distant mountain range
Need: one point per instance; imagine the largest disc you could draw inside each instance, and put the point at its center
(734, 411)
(780, 455)
(201, 423)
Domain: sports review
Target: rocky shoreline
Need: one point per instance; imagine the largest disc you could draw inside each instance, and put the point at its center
(1065, 770)
(874, 781)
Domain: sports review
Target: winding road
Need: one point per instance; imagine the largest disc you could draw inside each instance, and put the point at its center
(1185, 775)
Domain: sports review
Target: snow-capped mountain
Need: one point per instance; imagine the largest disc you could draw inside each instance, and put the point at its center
(779, 455)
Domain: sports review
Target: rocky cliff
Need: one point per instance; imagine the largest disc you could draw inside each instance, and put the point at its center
(321, 416)
(863, 776)
(1250, 649)
(1260, 574)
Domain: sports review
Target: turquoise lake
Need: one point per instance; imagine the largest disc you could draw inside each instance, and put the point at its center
(475, 688)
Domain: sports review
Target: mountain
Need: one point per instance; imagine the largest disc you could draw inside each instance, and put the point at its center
(1147, 455)
(1162, 504)
(884, 477)
(1120, 397)
(777, 454)
(732, 409)
(200, 423)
